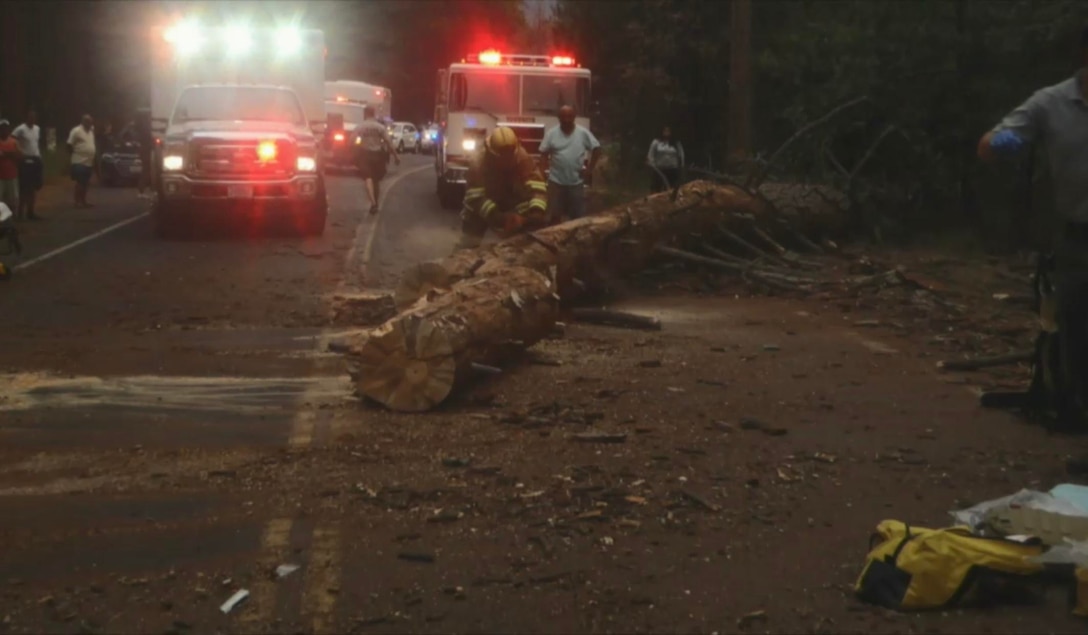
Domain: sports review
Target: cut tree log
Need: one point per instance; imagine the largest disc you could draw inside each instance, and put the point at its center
(616, 241)
(414, 361)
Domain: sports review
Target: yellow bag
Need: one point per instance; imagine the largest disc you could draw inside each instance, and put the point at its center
(914, 568)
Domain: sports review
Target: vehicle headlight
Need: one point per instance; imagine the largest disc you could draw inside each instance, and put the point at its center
(306, 164)
(173, 162)
(468, 145)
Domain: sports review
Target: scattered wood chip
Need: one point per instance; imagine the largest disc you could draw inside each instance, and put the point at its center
(749, 619)
(598, 437)
(699, 500)
(416, 556)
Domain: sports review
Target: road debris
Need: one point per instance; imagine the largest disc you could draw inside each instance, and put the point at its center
(416, 556)
(598, 437)
(285, 570)
(236, 599)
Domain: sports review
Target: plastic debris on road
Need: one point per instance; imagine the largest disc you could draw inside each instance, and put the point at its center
(1052, 516)
(234, 601)
(285, 570)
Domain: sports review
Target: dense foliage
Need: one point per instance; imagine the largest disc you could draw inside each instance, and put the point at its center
(938, 73)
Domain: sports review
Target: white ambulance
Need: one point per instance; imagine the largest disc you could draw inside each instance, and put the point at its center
(238, 113)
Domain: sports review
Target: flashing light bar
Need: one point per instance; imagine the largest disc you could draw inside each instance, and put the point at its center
(491, 57)
(187, 37)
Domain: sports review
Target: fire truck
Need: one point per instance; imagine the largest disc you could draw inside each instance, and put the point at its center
(237, 113)
(491, 89)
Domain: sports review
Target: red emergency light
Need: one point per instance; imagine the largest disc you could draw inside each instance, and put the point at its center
(562, 60)
(491, 57)
(338, 137)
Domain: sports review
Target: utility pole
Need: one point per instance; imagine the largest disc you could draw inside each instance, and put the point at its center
(739, 139)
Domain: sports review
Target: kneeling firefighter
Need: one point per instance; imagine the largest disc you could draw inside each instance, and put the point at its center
(1057, 118)
(505, 191)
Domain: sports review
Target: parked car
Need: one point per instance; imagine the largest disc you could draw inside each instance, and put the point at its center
(405, 136)
(120, 163)
(428, 141)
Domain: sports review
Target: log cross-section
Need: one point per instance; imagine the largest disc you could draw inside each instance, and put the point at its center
(414, 361)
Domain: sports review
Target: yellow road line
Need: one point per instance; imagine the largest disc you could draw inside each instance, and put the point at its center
(322, 583)
(262, 594)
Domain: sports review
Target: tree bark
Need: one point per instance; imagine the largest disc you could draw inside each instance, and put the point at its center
(614, 242)
(415, 360)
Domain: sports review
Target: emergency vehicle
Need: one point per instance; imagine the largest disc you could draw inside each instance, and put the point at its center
(344, 103)
(237, 113)
(491, 89)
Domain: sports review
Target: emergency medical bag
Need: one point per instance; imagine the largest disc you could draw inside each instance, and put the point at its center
(914, 568)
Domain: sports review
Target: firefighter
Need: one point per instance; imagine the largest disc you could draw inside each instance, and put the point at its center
(505, 190)
(1056, 118)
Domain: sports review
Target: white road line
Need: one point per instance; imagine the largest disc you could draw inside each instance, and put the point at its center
(371, 228)
(86, 239)
(302, 431)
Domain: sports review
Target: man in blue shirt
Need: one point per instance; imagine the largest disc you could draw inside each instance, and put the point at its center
(563, 153)
(1056, 118)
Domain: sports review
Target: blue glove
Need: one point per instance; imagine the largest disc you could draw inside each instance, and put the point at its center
(1006, 141)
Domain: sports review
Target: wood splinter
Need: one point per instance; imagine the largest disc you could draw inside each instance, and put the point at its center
(979, 363)
(606, 317)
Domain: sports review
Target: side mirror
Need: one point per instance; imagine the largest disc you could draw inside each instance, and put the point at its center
(335, 121)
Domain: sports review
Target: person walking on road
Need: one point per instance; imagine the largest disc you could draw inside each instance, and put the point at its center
(504, 190)
(563, 153)
(9, 167)
(82, 149)
(373, 149)
(666, 159)
(1057, 118)
(31, 178)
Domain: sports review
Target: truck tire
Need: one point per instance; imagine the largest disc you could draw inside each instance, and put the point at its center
(449, 195)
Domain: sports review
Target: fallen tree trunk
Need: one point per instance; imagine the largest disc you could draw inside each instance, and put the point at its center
(616, 241)
(414, 361)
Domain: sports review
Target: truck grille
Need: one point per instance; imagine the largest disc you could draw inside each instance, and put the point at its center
(529, 136)
(239, 160)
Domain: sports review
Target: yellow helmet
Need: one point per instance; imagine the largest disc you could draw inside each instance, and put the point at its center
(502, 141)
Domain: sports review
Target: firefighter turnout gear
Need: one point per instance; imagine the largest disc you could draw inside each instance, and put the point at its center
(505, 190)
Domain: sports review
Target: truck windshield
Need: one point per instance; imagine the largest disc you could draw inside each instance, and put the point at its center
(542, 94)
(236, 103)
(488, 93)
(352, 113)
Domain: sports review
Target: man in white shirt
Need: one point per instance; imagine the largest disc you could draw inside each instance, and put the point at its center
(28, 136)
(563, 152)
(81, 147)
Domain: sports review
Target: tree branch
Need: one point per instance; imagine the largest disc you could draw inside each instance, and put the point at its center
(755, 182)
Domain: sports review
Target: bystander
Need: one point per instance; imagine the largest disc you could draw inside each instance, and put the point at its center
(9, 167)
(82, 150)
(28, 137)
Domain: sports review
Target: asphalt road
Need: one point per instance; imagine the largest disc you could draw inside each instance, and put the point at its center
(173, 431)
(128, 361)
